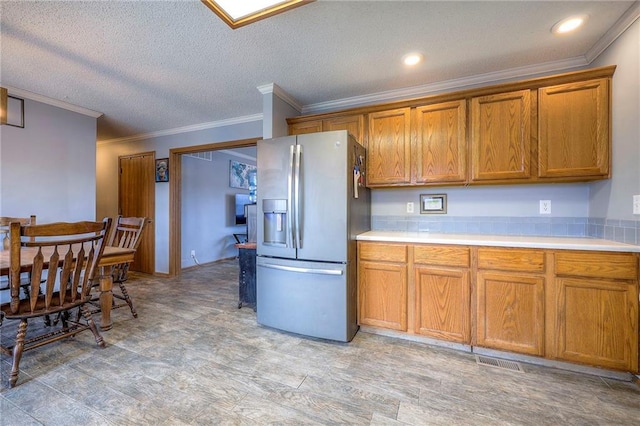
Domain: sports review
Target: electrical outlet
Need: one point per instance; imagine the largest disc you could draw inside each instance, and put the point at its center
(193, 253)
(545, 206)
(636, 204)
(410, 207)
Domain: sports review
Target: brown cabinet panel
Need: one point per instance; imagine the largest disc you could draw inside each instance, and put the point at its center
(510, 312)
(597, 264)
(383, 252)
(442, 255)
(440, 153)
(501, 136)
(520, 260)
(354, 124)
(597, 322)
(382, 295)
(305, 127)
(574, 133)
(388, 147)
(442, 303)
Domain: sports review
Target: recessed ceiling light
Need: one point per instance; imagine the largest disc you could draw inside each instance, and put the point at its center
(569, 24)
(411, 59)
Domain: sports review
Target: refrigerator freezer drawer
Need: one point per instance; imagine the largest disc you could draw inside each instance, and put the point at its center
(308, 298)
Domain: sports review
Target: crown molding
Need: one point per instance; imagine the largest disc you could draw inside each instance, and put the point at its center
(444, 86)
(266, 89)
(185, 129)
(625, 21)
(20, 93)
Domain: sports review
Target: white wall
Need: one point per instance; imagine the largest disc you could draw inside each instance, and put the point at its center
(209, 203)
(107, 189)
(612, 199)
(59, 149)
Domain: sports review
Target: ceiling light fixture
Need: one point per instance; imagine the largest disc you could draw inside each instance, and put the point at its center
(568, 25)
(411, 59)
(239, 13)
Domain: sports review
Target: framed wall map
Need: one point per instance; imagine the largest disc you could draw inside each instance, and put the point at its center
(239, 174)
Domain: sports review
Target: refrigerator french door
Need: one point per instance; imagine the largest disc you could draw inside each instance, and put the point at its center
(311, 204)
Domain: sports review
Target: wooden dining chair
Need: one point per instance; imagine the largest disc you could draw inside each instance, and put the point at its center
(5, 221)
(125, 233)
(65, 256)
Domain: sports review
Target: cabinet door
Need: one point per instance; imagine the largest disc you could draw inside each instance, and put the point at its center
(510, 312)
(440, 148)
(305, 127)
(574, 129)
(388, 148)
(382, 295)
(597, 322)
(354, 124)
(442, 303)
(501, 136)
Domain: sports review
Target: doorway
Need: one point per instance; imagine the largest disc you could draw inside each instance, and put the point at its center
(175, 194)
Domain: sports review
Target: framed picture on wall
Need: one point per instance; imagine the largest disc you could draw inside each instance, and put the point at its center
(239, 174)
(162, 170)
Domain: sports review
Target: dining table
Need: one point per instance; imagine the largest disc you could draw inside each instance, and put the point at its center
(111, 256)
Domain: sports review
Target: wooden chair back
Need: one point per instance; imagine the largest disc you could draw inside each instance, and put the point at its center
(5, 221)
(70, 251)
(126, 231)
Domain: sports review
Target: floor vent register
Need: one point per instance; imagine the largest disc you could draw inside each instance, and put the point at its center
(499, 363)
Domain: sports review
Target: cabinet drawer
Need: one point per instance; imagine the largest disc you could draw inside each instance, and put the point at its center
(597, 264)
(441, 255)
(520, 260)
(383, 252)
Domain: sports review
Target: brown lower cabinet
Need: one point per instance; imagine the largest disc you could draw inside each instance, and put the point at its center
(567, 305)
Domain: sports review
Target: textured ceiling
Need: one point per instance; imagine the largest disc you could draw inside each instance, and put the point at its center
(151, 66)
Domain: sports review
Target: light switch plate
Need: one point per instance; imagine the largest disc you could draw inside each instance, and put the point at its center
(410, 207)
(636, 204)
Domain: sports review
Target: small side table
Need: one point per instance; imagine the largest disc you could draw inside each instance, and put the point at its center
(247, 275)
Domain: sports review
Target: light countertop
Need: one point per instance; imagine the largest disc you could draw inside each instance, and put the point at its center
(566, 243)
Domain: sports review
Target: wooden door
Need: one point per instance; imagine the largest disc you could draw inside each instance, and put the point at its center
(510, 312)
(574, 130)
(501, 136)
(440, 153)
(137, 199)
(354, 124)
(389, 148)
(382, 295)
(442, 303)
(597, 322)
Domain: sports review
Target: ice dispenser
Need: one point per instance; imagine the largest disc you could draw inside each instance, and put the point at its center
(275, 222)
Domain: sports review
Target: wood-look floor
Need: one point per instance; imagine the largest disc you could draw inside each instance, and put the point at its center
(193, 358)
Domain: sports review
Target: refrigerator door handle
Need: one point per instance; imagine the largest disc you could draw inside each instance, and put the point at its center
(297, 196)
(303, 270)
(290, 238)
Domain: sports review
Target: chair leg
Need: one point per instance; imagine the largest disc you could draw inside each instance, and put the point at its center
(92, 325)
(127, 299)
(17, 352)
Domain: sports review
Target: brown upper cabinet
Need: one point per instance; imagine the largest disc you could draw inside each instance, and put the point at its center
(389, 147)
(354, 124)
(440, 149)
(574, 130)
(549, 129)
(501, 136)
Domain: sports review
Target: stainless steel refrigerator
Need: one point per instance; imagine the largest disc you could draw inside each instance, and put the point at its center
(312, 203)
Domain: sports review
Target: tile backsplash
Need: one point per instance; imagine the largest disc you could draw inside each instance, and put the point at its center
(624, 231)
